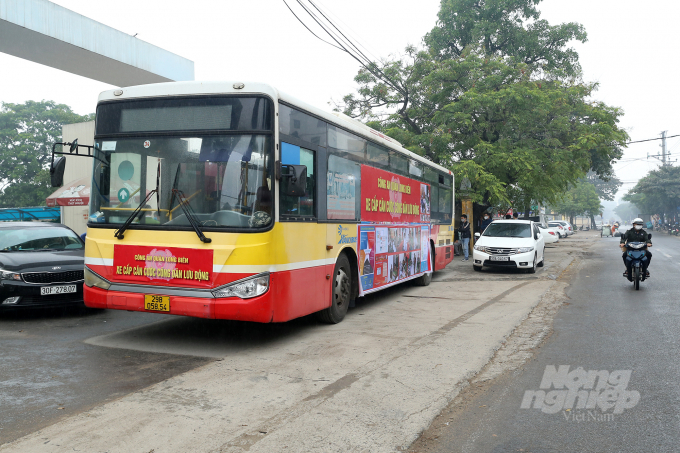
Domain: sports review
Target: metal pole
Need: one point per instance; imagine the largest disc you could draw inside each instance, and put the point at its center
(663, 148)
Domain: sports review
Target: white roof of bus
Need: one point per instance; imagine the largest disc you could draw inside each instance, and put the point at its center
(207, 88)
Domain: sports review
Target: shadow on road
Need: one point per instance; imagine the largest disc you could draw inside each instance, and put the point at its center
(47, 313)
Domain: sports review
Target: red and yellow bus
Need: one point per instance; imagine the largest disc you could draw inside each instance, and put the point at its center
(236, 201)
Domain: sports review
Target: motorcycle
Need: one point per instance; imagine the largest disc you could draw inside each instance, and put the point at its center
(674, 230)
(636, 262)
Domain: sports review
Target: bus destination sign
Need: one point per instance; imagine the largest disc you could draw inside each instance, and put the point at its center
(173, 266)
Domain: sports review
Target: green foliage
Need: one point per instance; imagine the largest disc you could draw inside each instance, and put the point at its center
(497, 88)
(27, 193)
(658, 192)
(27, 132)
(505, 28)
(607, 188)
(581, 199)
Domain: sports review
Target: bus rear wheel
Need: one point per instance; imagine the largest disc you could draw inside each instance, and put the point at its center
(426, 279)
(341, 293)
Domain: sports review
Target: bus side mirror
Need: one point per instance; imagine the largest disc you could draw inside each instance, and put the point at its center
(293, 180)
(74, 146)
(57, 172)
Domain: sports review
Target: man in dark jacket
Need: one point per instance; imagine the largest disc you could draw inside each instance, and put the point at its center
(486, 222)
(636, 234)
(464, 234)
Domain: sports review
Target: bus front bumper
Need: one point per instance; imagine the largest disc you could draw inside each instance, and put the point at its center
(256, 309)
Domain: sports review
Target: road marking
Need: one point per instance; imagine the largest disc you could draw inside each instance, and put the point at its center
(666, 255)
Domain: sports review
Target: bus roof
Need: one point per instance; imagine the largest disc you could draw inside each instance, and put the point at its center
(228, 87)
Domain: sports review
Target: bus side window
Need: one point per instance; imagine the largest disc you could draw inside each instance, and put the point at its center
(343, 189)
(431, 177)
(299, 206)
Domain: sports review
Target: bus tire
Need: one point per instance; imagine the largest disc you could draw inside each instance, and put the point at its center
(341, 292)
(426, 279)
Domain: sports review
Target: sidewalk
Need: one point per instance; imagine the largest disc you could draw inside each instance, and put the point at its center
(371, 383)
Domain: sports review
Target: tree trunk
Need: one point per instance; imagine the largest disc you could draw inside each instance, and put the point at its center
(592, 221)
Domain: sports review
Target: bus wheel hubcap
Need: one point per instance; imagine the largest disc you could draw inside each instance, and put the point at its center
(341, 288)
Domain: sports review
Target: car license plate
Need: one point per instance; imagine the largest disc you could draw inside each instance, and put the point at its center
(49, 290)
(156, 303)
(499, 258)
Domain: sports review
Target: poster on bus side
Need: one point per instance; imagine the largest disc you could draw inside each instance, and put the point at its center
(389, 254)
(388, 197)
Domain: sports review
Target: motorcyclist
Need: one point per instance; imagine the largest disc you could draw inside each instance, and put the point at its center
(636, 234)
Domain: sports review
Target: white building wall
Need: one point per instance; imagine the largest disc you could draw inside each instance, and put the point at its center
(75, 217)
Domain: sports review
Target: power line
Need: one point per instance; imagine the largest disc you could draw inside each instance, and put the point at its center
(356, 36)
(344, 43)
(652, 139)
(305, 25)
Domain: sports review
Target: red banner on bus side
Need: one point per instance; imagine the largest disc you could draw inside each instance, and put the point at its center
(388, 197)
(171, 266)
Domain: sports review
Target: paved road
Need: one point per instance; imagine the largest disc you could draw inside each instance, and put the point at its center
(370, 383)
(48, 373)
(606, 325)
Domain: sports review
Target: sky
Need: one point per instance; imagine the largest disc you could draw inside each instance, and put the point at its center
(630, 52)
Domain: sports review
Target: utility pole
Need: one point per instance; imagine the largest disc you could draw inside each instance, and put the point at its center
(664, 157)
(663, 148)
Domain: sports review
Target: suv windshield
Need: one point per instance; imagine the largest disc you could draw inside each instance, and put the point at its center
(508, 230)
(226, 180)
(38, 239)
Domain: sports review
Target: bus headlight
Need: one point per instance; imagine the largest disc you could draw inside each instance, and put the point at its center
(92, 279)
(246, 288)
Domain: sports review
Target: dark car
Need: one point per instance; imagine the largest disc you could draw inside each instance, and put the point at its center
(41, 264)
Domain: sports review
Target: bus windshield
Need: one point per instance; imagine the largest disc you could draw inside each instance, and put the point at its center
(225, 180)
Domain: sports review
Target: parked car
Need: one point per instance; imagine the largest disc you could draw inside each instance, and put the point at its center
(560, 228)
(516, 244)
(41, 264)
(567, 226)
(550, 234)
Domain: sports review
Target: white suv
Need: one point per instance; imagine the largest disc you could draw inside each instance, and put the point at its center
(515, 244)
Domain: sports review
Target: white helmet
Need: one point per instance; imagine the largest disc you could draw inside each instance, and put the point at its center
(638, 220)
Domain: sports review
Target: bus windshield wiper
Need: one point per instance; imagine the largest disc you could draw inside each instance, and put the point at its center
(190, 215)
(119, 232)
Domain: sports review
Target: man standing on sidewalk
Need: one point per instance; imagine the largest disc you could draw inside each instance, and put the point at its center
(464, 235)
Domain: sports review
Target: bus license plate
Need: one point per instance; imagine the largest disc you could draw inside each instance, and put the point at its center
(156, 303)
(499, 258)
(49, 290)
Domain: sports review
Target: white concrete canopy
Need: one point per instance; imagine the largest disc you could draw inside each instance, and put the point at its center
(48, 34)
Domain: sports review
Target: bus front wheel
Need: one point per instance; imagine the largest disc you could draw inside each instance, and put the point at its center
(341, 292)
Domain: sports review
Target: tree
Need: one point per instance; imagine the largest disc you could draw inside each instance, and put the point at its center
(27, 132)
(496, 97)
(505, 28)
(627, 211)
(606, 188)
(581, 199)
(658, 192)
